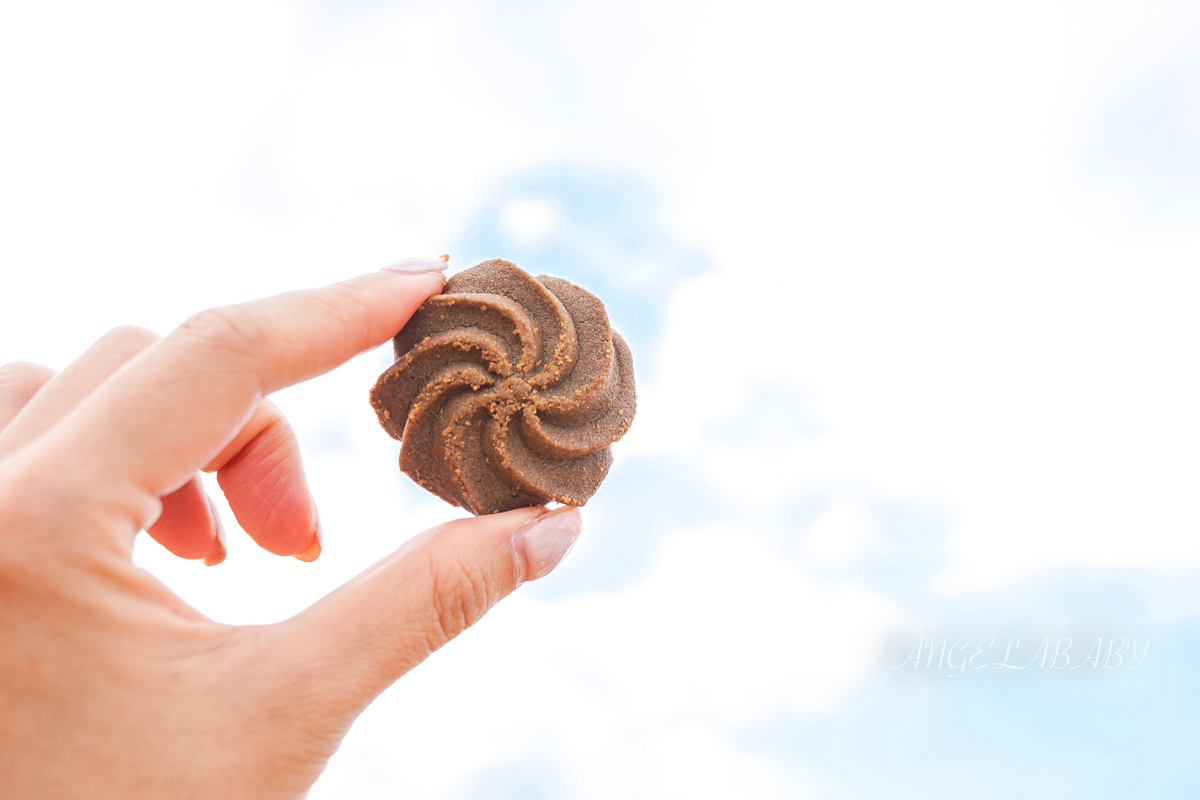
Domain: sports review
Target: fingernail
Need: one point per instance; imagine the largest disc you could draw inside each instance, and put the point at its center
(314, 549)
(413, 266)
(218, 555)
(546, 539)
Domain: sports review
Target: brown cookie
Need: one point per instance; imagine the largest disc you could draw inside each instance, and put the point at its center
(507, 391)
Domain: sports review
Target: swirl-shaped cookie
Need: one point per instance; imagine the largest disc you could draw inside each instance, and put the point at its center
(507, 391)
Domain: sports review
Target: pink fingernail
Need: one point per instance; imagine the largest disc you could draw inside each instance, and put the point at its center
(314, 547)
(548, 538)
(414, 266)
(313, 551)
(218, 555)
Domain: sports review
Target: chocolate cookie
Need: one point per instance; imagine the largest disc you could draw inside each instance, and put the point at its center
(507, 391)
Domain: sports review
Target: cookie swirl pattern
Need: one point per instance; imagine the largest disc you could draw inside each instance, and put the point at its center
(507, 391)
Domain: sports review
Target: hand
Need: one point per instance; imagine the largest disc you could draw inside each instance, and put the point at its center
(110, 685)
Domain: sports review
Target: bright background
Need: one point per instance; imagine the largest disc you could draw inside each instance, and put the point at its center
(912, 290)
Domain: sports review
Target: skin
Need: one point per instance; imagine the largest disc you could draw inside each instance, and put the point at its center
(110, 685)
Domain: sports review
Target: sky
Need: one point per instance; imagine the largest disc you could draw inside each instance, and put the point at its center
(910, 290)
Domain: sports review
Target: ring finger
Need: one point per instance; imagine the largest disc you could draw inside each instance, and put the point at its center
(61, 393)
(19, 382)
(39, 398)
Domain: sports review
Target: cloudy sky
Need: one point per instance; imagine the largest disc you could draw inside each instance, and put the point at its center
(911, 291)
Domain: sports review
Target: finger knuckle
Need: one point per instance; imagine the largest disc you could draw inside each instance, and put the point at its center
(130, 337)
(226, 328)
(460, 597)
(272, 419)
(23, 377)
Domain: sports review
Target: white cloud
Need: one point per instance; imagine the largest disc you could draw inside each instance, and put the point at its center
(529, 220)
(840, 535)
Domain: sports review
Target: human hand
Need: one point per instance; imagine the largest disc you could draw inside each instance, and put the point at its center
(112, 686)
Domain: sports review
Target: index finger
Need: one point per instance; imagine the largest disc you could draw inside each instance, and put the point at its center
(172, 409)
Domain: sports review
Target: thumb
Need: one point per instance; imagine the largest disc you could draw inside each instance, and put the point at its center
(354, 643)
